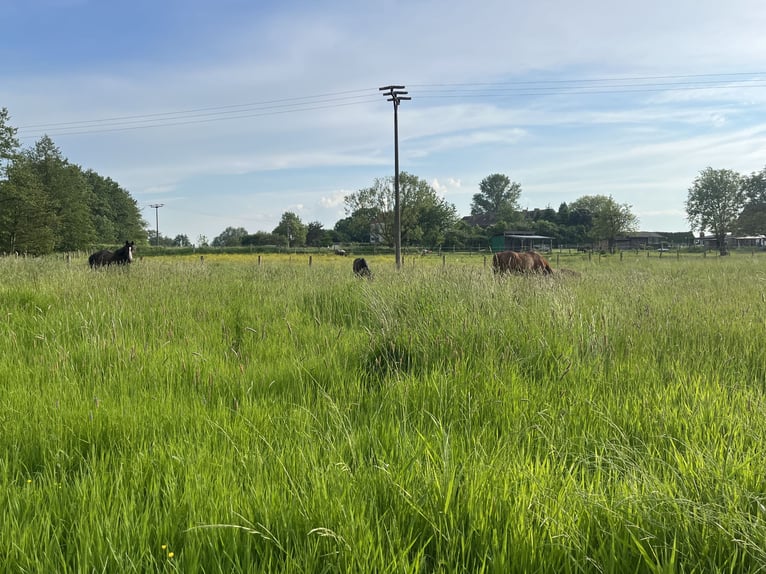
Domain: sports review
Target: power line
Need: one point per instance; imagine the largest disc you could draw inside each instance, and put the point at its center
(519, 88)
(605, 79)
(267, 104)
(147, 123)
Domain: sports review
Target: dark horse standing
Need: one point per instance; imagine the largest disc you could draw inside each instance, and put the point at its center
(122, 256)
(361, 269)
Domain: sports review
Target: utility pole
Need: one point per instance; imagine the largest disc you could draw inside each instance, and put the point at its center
(396, 94)
(156, 208)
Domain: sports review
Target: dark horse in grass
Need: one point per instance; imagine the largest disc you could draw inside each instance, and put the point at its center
(361, 269)
(515, 262)
(121, 256)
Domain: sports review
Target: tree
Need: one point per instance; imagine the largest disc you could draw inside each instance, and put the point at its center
(292, 229)
(714, 202)
(359, 225)
(69, 194)
(262, 238)
(26, 214)
(9, 144)
(752, 219)
(609, 219)
(116, 215)
(315, 234)
(425, 217)
(162, 241)
(498, 195)
(181, 241)
(230, 237)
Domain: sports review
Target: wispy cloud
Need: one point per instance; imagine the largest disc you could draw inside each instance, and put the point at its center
(485, 100)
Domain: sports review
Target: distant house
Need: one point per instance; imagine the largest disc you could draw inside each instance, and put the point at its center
(732, 241)
(640, 240)
(750, 241)
(520, 241)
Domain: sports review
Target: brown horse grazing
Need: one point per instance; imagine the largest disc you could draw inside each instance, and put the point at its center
(536, 263)
(506, 262)
(514, 262)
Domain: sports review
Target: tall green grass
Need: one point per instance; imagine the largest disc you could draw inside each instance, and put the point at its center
(227, 416)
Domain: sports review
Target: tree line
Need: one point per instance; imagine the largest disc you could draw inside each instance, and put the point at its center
(48, 204)
(719, 202)
(429, 221)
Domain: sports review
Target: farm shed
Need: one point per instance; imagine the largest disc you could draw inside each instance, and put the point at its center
(640, 240)
(520, 241)
(751, 241)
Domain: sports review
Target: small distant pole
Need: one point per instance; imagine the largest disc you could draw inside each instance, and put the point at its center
(156, 208)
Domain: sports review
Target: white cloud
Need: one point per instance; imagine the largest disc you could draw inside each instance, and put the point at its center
(458, 128)
(335, 199)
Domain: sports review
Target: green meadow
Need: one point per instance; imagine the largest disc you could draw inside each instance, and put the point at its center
(230, 416)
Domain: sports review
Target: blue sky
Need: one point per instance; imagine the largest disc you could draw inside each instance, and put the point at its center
(230, 113)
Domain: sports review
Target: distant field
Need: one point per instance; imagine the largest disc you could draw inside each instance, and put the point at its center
(222, 415)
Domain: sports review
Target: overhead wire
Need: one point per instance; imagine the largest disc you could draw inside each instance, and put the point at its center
(444, 90)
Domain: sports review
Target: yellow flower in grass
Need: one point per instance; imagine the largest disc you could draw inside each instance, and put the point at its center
(164, 546)
(171, 554)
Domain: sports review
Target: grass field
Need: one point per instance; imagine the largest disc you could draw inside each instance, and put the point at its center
(226, 416)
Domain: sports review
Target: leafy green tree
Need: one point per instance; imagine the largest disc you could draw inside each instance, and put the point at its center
(752, 219)
(547, 228)
(181, 241)
(262, 238)
(464, 236)
(9, 143)
(69, 194)
(370, 208)
(163, 241)
(315, 234)
(425, 217)
(609, 218)
(26, 214)
(359, 225)
(498, 195)
(714, 202)
(115, 214)
(292, 229)
(230, 237)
